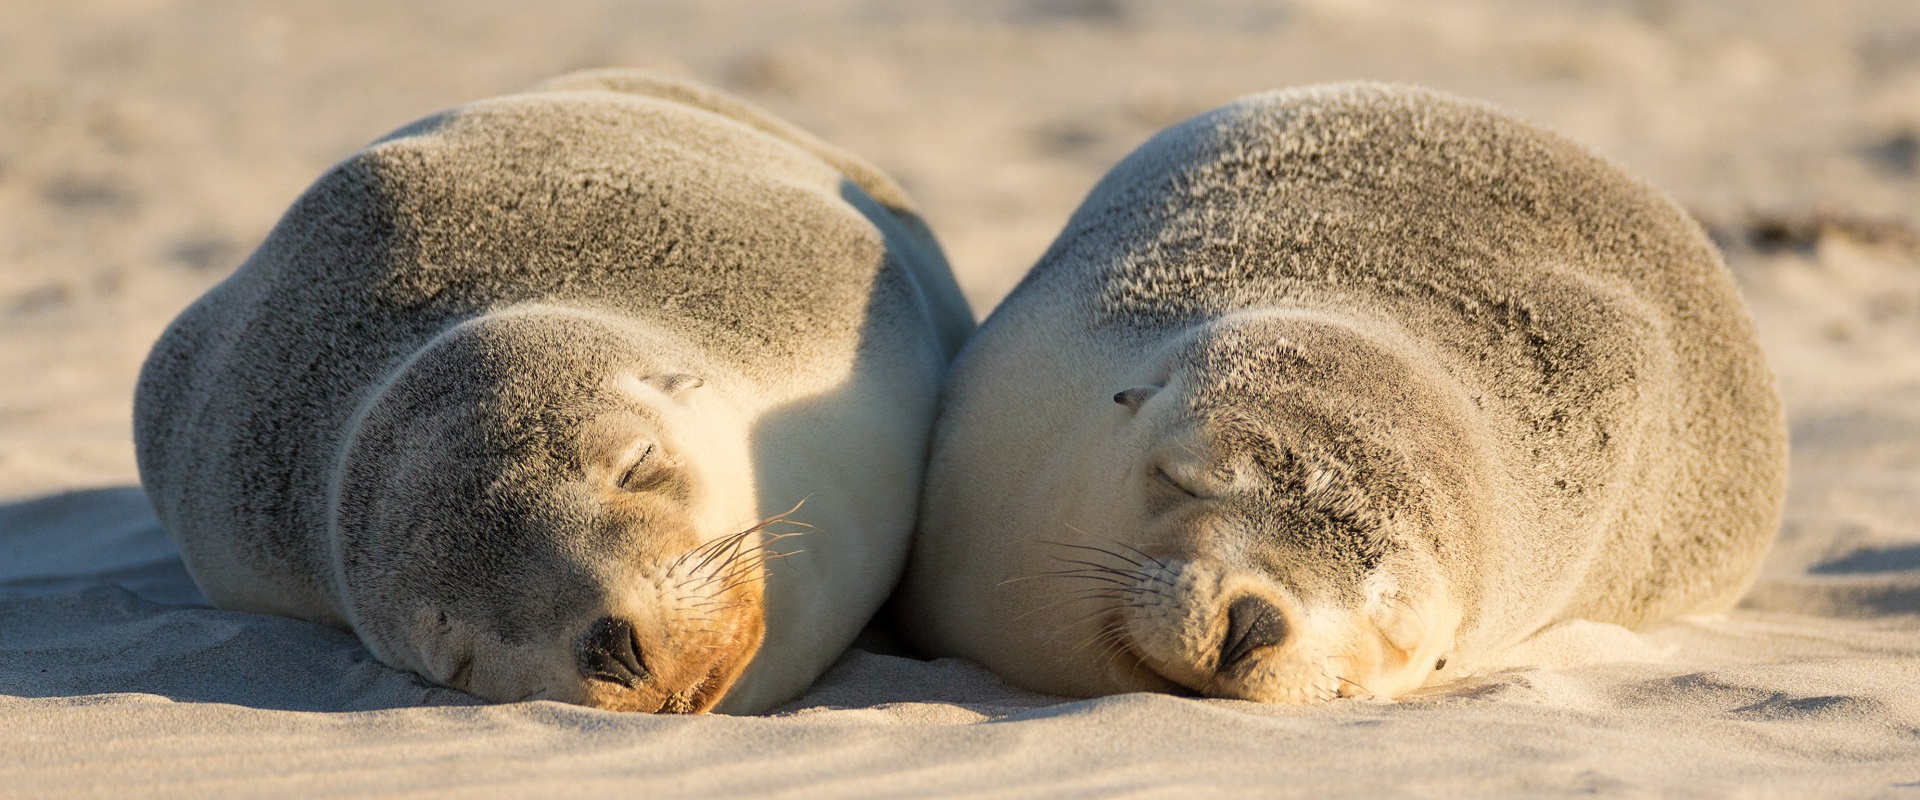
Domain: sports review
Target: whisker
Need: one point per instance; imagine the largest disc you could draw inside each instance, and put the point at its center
(1141, 567)
(1091, 570)
(1109, 646)
(1118, 597)
(1106, 632)
(1101, 550)
(1093, 565)
(1142, 553)
(1035, 576)
(745, 562)
(1116, 646)
(731, 542)
(789, 512)
(1125, 591)
(1081, 620)
(1073, 595)
(726, 579)
(1110, 580)
(742, 558)
(711, 550)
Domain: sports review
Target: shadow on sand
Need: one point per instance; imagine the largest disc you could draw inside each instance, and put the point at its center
(95, 600)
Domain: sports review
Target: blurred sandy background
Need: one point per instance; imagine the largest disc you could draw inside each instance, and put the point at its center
(147, 145)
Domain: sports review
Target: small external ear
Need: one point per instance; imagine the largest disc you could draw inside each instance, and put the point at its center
(673, 383)
(1132, 398)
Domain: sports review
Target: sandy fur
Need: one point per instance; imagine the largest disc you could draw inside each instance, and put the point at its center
(532, 255)
(1534, 395)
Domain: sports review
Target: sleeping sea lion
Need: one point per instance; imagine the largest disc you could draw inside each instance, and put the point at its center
(1326, 390)
(520, 392)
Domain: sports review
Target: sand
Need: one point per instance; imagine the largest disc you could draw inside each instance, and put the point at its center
(146, 146)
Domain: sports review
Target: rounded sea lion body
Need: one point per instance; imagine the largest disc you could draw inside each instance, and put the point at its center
(1326, 390)
(519, 392)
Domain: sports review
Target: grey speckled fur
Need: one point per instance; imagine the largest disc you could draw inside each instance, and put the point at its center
(612, 194)
(1604, 422)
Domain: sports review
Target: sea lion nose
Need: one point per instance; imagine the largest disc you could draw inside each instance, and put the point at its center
(1252, 623)
(607, 652)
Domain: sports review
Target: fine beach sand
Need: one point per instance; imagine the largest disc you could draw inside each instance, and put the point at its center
(146, 146)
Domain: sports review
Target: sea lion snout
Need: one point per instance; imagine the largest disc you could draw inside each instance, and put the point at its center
(1233, 632)
(608, 652)
(626, 667)
(1252, 624)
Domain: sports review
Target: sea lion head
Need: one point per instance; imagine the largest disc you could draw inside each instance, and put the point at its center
(548, 504)
(1265, 521)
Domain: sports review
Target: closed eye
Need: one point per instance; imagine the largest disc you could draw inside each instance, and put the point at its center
(1162, 476)
(643, 473)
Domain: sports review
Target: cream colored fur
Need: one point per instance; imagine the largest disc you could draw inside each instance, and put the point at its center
(1411, 377)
